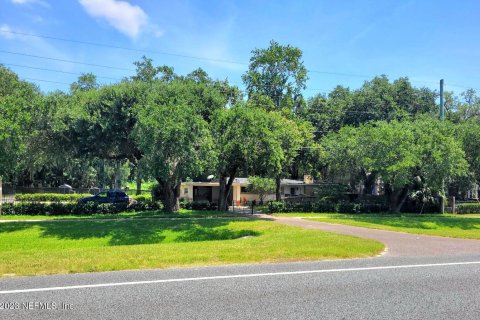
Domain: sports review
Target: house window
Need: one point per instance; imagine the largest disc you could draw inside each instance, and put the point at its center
(243, 189)
(185, 191)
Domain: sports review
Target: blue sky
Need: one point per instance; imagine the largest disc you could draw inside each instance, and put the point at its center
(424, 40)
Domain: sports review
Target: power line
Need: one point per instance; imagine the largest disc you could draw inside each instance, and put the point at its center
(132, 70)
(460, 86)
(64, 60)
(53, 70)
(182, 56)
(43, 80)
(272, 85)
(122, 48)
(341, 74)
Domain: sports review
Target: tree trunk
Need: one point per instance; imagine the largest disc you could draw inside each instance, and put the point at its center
(396, 198)
(222, 204)
(139, 181)
(368, 182)
(225, 189)
(402, 200)
(278, 181)
(117, 182)
(171, 194)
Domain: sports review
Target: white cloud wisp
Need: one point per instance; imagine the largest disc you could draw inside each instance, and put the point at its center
(129, 19)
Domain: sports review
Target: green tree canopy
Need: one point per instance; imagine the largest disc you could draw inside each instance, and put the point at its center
(468, 133)
(401, 153)
(262, 186)
(18, 101)
(87, 81)
(176, 143)
(278, 73)
(246, 138)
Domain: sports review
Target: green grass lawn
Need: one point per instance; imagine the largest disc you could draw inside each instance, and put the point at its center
(53, 247)
(447, 225)
(127, 215)
(146, 185)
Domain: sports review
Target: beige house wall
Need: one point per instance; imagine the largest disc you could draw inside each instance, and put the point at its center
(253, 196)
(238, 196)
(186, 191)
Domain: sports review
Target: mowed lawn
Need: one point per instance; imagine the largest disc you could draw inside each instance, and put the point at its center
(447, 225)
(52, 247)
(126, 215)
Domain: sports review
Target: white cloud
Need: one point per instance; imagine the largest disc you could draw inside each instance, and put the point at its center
(123, 16)
(40, 2)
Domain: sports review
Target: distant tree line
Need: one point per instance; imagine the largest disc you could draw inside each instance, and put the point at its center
(168, 127)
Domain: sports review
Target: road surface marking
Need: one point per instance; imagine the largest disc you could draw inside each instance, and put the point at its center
(248, 275)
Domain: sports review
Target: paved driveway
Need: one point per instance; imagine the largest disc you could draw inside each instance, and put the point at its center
(398, 244)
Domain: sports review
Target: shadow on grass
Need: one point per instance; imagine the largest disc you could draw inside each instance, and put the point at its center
(135, 231)
(418, 222)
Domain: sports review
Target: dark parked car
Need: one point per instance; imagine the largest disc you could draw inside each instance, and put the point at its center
(112, 196)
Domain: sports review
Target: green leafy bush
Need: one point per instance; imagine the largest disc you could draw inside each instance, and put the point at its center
(146, 205)
(468, 208)
(57, 208)
(49, 197)
(141, 197)
(276, 207)
(348, 207)
(325, 206)
(333, 192)
(372, 208)
(33, 208)
(184, 203)
(87, 208)
(7, 209)
(200, 205)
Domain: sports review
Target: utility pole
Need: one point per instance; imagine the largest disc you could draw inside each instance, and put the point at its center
(442, 104)
(442, 117)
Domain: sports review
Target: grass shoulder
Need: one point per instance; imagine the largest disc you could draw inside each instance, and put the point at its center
(48, 247)
(183, 213)
(446, 225)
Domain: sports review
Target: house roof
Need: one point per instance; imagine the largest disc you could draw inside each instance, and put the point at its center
(291, 181)
(244, 182)
(240, 180)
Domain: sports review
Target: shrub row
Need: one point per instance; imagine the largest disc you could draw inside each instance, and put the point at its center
(50, 197)
(88, 208)
(198, 205)
(141, 197)
(58, 197)
(468, 208)
(325, 206)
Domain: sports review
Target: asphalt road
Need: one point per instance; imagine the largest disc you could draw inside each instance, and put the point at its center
(376, 288)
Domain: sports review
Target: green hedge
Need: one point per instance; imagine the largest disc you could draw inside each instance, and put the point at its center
(49, 197)
(74, 197)
(468, 208)
(141, 197)
(198, 205)
(88, 208)
(325, 206)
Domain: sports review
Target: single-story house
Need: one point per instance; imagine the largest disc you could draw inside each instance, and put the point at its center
(197, 191)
